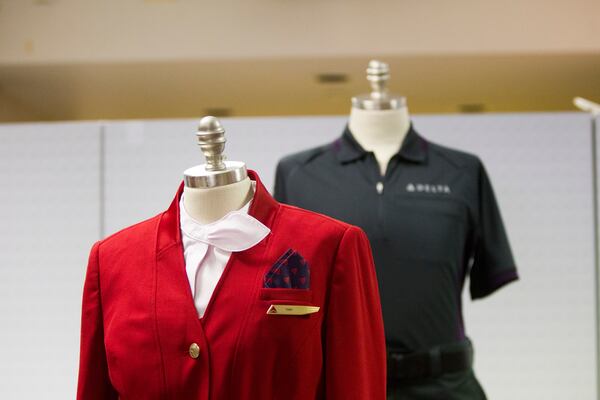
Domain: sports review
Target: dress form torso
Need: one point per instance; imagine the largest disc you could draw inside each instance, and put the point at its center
(380, 131)
(435, 223)
(207, 205)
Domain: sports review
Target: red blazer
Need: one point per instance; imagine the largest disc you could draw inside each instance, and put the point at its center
(139, 323)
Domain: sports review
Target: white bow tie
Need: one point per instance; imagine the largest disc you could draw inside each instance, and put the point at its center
(236, 231)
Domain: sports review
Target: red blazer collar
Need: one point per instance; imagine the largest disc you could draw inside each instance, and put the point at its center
(263, 208)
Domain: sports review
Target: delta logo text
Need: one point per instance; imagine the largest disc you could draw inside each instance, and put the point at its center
(428, 188)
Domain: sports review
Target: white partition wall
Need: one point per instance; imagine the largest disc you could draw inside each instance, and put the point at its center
(49, 218)
(145, 160)
(144, 164)
(534, 339)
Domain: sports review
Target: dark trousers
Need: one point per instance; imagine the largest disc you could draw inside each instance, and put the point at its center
(443, 373)
(450, 386)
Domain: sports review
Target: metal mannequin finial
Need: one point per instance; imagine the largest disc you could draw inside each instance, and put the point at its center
(216, 171)
(211, 139)
(378, 74)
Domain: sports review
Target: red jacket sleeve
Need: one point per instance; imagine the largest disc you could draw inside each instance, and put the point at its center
(93, 382)
(355, 355)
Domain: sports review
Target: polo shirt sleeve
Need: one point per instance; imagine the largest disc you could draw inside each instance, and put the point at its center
(493, 265)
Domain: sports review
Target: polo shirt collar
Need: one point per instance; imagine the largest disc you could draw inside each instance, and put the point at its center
(413, 148)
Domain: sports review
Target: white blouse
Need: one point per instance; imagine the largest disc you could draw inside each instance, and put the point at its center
(207, 248)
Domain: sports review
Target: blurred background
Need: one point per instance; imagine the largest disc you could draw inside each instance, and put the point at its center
(82, 59)
(100, 100)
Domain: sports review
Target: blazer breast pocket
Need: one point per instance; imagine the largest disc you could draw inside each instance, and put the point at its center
(280, 336)
(288, 302)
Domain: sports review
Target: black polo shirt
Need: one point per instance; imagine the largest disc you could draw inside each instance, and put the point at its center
(431, 220)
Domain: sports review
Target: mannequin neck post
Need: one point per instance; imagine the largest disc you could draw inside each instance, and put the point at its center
(380, 131)
(207, 205)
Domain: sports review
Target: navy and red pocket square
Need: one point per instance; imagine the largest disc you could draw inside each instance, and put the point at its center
(290, 271)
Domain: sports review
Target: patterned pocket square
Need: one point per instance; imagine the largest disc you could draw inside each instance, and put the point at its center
(290, 271)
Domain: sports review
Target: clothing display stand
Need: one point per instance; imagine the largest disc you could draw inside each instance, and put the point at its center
(594, 110)
(379, 120)
(217, 187)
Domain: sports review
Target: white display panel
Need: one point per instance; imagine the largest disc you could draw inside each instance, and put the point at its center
(146, 159)
(49, 213)
(534, 338)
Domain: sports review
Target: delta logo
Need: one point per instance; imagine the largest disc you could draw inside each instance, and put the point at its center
(428, 188)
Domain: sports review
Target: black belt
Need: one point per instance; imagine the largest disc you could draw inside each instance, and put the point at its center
(430, 364)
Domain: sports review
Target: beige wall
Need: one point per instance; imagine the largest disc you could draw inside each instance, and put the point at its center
(43, 31)
(107, 59)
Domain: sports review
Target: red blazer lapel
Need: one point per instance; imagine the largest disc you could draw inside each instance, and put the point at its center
(177, 325)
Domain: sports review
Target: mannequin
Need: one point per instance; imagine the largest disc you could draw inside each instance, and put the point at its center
(207, 205)
(193, 306)
(434, 224)
(218, 187)
(379, 122)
